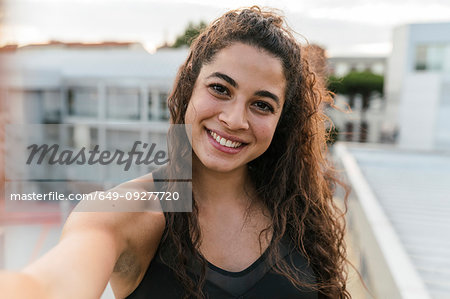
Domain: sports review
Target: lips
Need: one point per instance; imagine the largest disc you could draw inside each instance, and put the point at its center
(225, 143)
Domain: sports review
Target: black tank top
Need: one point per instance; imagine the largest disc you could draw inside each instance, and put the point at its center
(258, 281)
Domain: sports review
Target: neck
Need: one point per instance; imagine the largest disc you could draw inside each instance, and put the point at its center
(213, 187)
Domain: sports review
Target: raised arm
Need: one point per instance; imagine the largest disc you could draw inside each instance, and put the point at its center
(80, 265)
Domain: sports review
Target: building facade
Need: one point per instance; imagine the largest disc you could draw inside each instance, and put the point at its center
(418, 86)
(70, 82)
(106, 94)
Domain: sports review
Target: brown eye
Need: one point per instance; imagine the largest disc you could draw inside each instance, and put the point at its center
(219, 89)
(263, 106)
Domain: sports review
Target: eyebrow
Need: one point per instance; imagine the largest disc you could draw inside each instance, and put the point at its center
(224, 77)
(260, 93)
(268, 94)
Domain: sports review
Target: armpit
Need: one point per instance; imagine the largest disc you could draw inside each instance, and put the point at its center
(127, 265)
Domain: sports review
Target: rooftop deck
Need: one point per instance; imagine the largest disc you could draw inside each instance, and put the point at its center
(403, 198)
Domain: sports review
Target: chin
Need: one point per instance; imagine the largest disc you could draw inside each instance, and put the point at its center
(218, 166)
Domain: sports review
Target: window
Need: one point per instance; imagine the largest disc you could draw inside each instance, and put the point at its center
(363, 131)
(82, 101)
(348, 131)
(51, 106)
(93, 134)
(123, 140)
(122, 103)
(150, 106)
(164, 114)
(34, 109)
(80, 135)
(430, 57)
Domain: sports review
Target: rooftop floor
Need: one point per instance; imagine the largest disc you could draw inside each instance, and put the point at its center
(413, 190)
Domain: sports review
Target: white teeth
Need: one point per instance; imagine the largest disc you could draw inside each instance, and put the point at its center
(225, 142)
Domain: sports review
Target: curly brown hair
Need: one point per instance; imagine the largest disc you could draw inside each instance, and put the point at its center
(293, 178)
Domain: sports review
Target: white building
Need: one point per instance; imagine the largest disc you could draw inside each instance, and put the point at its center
(68, 82)
(84, 85)
(108, 95)
(399, 206)
(418, 86)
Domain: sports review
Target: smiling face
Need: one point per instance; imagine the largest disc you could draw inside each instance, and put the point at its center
(235, 107)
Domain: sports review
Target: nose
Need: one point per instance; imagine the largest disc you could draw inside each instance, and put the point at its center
(234, 115)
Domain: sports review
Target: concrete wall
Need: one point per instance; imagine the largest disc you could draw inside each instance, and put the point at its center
(396, 68)
(442, 140)
(419, 106)
(419, 100)
(386, 267)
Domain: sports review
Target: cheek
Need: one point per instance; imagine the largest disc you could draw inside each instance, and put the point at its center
(200, 109)
(189, 117)
(265, 132)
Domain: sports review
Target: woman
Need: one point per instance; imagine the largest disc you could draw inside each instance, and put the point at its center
(263, 225)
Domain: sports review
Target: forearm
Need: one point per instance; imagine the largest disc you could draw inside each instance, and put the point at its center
(19, 285)
(73, 270)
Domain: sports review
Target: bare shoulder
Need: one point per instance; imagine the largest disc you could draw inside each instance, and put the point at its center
(113, 212)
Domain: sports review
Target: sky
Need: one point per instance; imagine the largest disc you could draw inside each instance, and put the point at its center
(343, 27)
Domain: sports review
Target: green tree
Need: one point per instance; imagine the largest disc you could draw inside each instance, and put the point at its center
(332, 134)
(190, 33)
(364, 83)
(335, 85)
